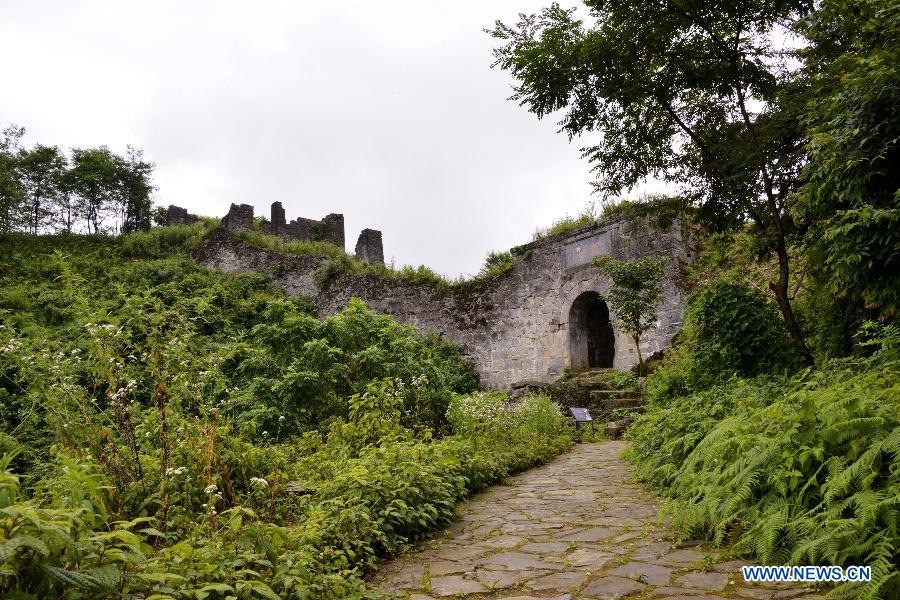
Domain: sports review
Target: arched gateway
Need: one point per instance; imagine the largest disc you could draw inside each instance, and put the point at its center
(592, 343)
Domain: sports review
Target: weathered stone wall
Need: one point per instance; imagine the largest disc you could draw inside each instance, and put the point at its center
(175, 215)
(369, 246)
(240, 216)
(295, 274)
(513, 327)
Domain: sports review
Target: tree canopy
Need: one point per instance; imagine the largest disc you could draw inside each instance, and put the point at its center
(728, 101)
(44, 190)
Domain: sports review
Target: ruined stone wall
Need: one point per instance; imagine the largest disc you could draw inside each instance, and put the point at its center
(369, 247)
(239, 217)
(513, 327)
(175, 215)
(295, 274)
(329, 229)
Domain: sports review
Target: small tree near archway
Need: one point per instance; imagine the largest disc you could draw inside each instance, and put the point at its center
(635, 294)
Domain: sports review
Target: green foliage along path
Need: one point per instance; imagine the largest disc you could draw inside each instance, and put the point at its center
(168, 431)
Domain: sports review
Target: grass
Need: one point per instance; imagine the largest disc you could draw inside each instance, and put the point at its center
(298, 247)
(663, 210)
(342, 262)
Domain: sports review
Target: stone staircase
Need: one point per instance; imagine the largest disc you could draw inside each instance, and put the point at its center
(592, 390)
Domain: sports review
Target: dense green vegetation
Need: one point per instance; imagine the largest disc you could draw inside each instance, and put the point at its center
(788, 469)
(175, 432)
(777, 462)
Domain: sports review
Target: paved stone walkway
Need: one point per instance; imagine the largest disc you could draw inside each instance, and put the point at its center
(578, 527)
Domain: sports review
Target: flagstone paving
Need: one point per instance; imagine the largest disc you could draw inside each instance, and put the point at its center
(576, 528)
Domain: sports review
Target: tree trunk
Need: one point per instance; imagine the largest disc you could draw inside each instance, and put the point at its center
(637, 344)
(780, 289)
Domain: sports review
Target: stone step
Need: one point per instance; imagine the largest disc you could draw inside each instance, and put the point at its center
(592, 384)
(598, 395)
(614, 403)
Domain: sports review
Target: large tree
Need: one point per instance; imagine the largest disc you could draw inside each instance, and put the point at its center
(94, 178)
(41, 173)
(135, 189)
(698, 93)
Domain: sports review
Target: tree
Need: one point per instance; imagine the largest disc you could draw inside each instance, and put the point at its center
(11, 194)
(65, 202)
(94, 179)
(697, 93)
(850, 199)
(41, 170)
(635, 295)
(135, 191)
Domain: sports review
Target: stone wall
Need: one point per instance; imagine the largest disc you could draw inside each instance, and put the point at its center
(328, 229)
(239, 217)
(369, 247)
(515, 326)
(175, 215)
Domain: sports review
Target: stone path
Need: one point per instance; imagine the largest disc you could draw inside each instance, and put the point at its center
(578, 527)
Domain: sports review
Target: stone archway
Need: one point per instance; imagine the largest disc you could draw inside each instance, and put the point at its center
(592, 343)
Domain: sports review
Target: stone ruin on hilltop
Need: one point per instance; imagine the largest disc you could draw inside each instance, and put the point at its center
(329, 229)
(544, 315)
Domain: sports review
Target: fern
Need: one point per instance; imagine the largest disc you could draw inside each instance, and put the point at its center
(808, 476)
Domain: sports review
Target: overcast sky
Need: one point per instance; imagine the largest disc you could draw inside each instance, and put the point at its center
(387, 112)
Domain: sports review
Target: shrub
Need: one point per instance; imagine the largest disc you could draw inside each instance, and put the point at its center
(158, 411)
(495, 263)
(802, 471)
(730, 330)
(587, 216)
(164, 241)
(619, 380)
(374, 489)
(738, 331)
(299, 247)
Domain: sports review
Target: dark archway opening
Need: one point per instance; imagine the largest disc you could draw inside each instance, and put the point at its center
(592, 342)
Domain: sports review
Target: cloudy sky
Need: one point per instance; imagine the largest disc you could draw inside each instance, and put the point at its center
(387, 112)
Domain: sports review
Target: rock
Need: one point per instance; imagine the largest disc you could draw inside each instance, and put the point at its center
(681, 558)
(516, 561)
(613, 430)
(566, 581)
(705, 581)
(590, 535)
(644, 572)
(455, 585)
(447, 567)
(611, 588)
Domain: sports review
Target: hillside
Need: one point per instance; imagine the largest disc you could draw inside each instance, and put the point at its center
(168, 428)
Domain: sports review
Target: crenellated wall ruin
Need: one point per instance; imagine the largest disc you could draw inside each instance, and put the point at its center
(328, 229)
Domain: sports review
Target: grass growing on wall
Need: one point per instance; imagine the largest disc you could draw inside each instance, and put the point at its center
(299, 247)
